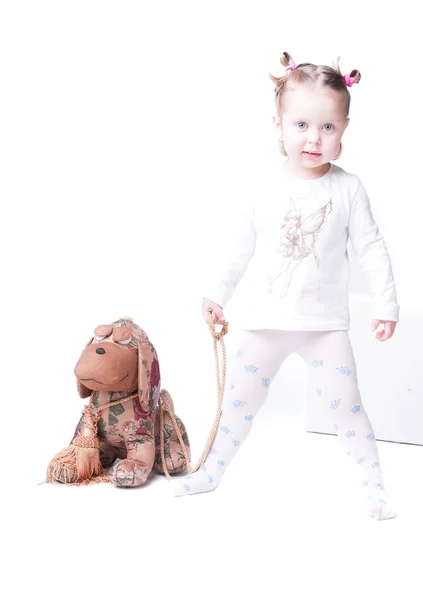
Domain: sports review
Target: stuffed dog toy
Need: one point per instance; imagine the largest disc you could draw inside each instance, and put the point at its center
(119, 371)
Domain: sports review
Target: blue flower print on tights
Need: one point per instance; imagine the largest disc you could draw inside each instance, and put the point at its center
(236, 442)
(221, 462)
(251, 368)
(210, 479)
(239, 403)
(344, 370)
(187, 487)
(350, 433)
(231, 386)
(318, 392)
(203, 467)
(214, 451)
(335, 403)
(239, 353)
(224, 429)
(336, 427)
(374, 465)
(249, 417)
(317, 363)
(369, 436)
(355, 409)
(266, 382)
(361, 460)
(365, 483)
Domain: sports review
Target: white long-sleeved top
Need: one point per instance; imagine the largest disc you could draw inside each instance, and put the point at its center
(292, 235)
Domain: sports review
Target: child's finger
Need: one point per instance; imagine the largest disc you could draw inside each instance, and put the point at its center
(208, 317)
(388, 331)
(221, 318)
(375, 324)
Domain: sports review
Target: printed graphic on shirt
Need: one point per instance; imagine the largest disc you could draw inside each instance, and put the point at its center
(298, 238)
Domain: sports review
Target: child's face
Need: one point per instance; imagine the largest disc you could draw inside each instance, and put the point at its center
(313, 120)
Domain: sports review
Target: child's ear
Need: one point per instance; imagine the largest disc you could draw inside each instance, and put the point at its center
(347, 120)
(277, 123)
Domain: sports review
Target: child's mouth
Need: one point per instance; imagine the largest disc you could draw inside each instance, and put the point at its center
(312, 154)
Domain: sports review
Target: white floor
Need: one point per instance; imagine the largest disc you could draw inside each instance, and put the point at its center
(286, 522)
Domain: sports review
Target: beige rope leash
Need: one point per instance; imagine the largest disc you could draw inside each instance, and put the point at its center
(221, 381)
(97, 410)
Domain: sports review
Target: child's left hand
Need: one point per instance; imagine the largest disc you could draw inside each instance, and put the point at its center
(387, 332)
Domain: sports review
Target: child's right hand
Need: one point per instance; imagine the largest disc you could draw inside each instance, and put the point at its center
(208, 307)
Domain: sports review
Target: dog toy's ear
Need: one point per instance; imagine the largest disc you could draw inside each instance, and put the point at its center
(83, 391)
(148, 373)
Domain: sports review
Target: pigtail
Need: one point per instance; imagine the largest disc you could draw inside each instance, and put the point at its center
(286, 59)
(349, 78)
(356, 75)
(287, 62)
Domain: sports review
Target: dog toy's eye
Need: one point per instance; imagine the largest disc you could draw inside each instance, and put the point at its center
(102, 331)
(122, 335)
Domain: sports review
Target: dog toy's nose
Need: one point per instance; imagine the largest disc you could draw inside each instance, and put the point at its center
(101, 351)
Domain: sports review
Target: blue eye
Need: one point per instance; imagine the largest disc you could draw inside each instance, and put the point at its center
(328, 127)
(301, 125)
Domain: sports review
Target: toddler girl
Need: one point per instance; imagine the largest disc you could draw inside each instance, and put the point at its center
(293, 237)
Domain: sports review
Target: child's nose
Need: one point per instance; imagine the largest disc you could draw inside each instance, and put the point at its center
(314, 136)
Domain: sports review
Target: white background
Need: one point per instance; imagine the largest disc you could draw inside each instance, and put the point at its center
(127, 130)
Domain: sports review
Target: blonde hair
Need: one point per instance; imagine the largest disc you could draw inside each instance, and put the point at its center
(308, 73)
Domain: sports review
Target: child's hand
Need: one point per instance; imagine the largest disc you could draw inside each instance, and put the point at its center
(387, 332)
(208, 307)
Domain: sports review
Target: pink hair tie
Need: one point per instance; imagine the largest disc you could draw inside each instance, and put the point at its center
(349, 80)
(291, 65)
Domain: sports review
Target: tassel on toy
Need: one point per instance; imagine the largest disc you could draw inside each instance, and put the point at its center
(79, 463)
